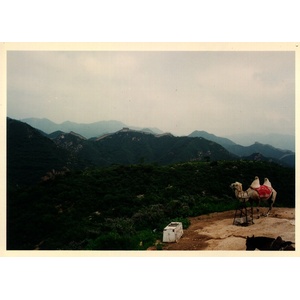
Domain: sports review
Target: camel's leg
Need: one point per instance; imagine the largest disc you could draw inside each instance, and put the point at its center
(255, 199)
(257, 209)
(272, 200)
(257, 212)
(274, 194)
(251, 212)
(269, 209)
(262, 214)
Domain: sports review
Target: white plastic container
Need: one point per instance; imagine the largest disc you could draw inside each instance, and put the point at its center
(172, 232)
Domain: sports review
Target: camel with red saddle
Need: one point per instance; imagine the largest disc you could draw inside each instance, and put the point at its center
(256, 193)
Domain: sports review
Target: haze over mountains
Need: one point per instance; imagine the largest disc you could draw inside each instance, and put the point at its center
(96, 129)
(88, 130)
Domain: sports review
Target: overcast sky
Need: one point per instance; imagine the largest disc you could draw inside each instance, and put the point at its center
(223, 93)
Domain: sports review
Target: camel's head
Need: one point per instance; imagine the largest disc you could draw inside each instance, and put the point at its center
(236, 186)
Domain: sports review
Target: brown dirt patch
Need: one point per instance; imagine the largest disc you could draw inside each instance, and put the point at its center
(216, 231)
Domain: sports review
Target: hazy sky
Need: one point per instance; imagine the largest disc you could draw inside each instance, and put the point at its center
(223, 93)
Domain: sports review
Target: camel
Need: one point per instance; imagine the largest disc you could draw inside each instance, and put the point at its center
(256, 193)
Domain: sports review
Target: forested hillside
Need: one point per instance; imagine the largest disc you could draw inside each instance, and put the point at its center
(31, 154)
(126, 207)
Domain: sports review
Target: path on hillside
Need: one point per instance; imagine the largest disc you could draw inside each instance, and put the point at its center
(216, 231)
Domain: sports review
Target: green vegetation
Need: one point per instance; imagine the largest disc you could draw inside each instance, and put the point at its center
(126, 207)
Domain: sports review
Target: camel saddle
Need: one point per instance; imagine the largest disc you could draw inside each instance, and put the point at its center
(264, 191)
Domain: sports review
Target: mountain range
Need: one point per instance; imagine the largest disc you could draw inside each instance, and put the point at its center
(97, 129)
(284, 156)
(87, 130)
(282, 141)
(33, 153)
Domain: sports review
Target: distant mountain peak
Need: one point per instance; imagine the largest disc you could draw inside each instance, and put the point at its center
(209, 136)
(125, 129)
(67, 123)
(164, 134)
(128, 130)
(77, 135)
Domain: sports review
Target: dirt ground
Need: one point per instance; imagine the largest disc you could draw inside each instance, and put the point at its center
(216, 231)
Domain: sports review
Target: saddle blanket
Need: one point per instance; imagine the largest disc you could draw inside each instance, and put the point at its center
(264, 191)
